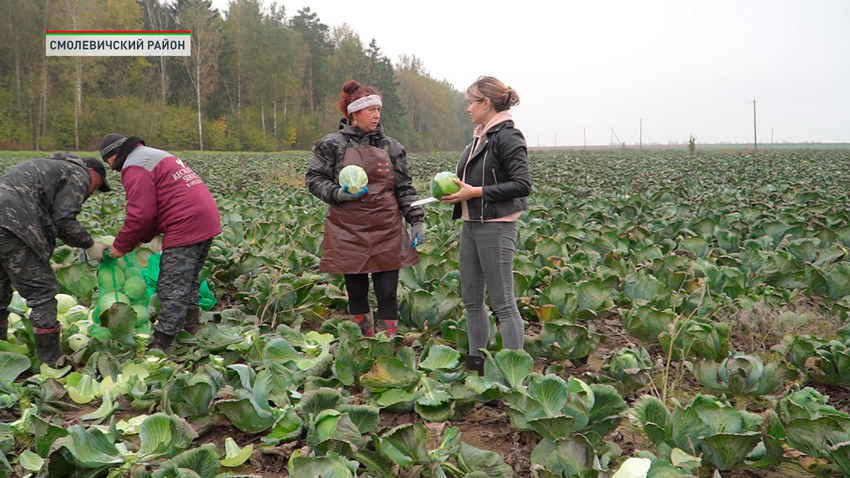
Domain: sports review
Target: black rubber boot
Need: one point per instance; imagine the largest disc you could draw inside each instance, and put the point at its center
(475, 364)
(48, 349)
(162, 342)
(4, 330)
(193, 320)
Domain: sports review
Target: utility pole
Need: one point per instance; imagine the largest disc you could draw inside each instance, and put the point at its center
(584, 130)
(755, 129)
(614, 135)
(640, 145)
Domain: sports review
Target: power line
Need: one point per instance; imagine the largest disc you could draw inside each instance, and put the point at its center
(805, 97)
(700, 113)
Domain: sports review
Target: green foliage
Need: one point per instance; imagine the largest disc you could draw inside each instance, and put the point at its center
(807, 423)
(628, 369)
(249, 410)
(325, 467)
(398, 384)
(560, 340)
(672, 250)
(571, 457)
(697, 337)
(825, 361)
(406, 447)
(547, 404)
(647, 323)
(706, 426)
(742, 374)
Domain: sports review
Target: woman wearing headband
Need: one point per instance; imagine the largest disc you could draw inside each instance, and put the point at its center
(363, 232)
(495, 181)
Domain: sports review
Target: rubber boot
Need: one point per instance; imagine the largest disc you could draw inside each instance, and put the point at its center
(193, 320)
(47, 347)
(475, 364)
(162, 342)
(367, 325)
(4, 330)
(388, 326)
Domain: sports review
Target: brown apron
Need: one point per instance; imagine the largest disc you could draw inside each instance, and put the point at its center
(366, 235)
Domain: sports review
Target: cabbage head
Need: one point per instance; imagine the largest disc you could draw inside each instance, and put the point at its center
(354, 177)
(107, 300)
(78, 341)
(73, 315)
(443, 184)
(135, 288)
(110, 279)
(64, 302)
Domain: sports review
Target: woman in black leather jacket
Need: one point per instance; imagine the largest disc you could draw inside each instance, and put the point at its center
(495, 181)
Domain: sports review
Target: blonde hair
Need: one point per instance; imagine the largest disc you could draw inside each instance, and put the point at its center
(501, 97)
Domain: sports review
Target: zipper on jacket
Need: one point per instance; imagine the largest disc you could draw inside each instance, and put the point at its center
(483, 175)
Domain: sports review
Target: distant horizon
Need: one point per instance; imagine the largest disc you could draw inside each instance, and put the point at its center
(712, 146)
(685, 143)
(532, 147)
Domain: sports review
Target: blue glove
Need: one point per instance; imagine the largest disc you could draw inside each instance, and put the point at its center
(417, 233)
(342, 194)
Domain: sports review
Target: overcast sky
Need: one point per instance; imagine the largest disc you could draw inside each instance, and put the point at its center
(684, 67)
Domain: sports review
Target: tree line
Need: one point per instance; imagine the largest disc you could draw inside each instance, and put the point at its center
(257, 80)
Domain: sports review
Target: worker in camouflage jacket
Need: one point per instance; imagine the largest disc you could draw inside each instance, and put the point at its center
(41, 199)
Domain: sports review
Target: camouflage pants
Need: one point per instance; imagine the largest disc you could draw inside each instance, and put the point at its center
(33, 279)
(178, 284)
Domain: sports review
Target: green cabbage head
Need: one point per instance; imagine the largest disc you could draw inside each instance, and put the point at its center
(354, 177)
(443, 183)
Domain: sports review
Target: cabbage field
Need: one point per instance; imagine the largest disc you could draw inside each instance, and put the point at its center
(686, 316)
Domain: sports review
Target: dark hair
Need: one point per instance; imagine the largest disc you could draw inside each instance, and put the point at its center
(501, 97)
(353, 91)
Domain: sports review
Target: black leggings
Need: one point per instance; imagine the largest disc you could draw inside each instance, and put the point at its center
(386, 283)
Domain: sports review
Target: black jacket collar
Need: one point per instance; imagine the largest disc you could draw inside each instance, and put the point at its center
(487, 137)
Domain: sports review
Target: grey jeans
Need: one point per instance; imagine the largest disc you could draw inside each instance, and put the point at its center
(486, 259)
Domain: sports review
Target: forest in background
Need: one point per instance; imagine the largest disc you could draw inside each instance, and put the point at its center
(258, 79)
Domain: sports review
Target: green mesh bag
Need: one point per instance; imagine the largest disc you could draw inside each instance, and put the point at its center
(206, 299)
(121, 280)
(151, 274)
